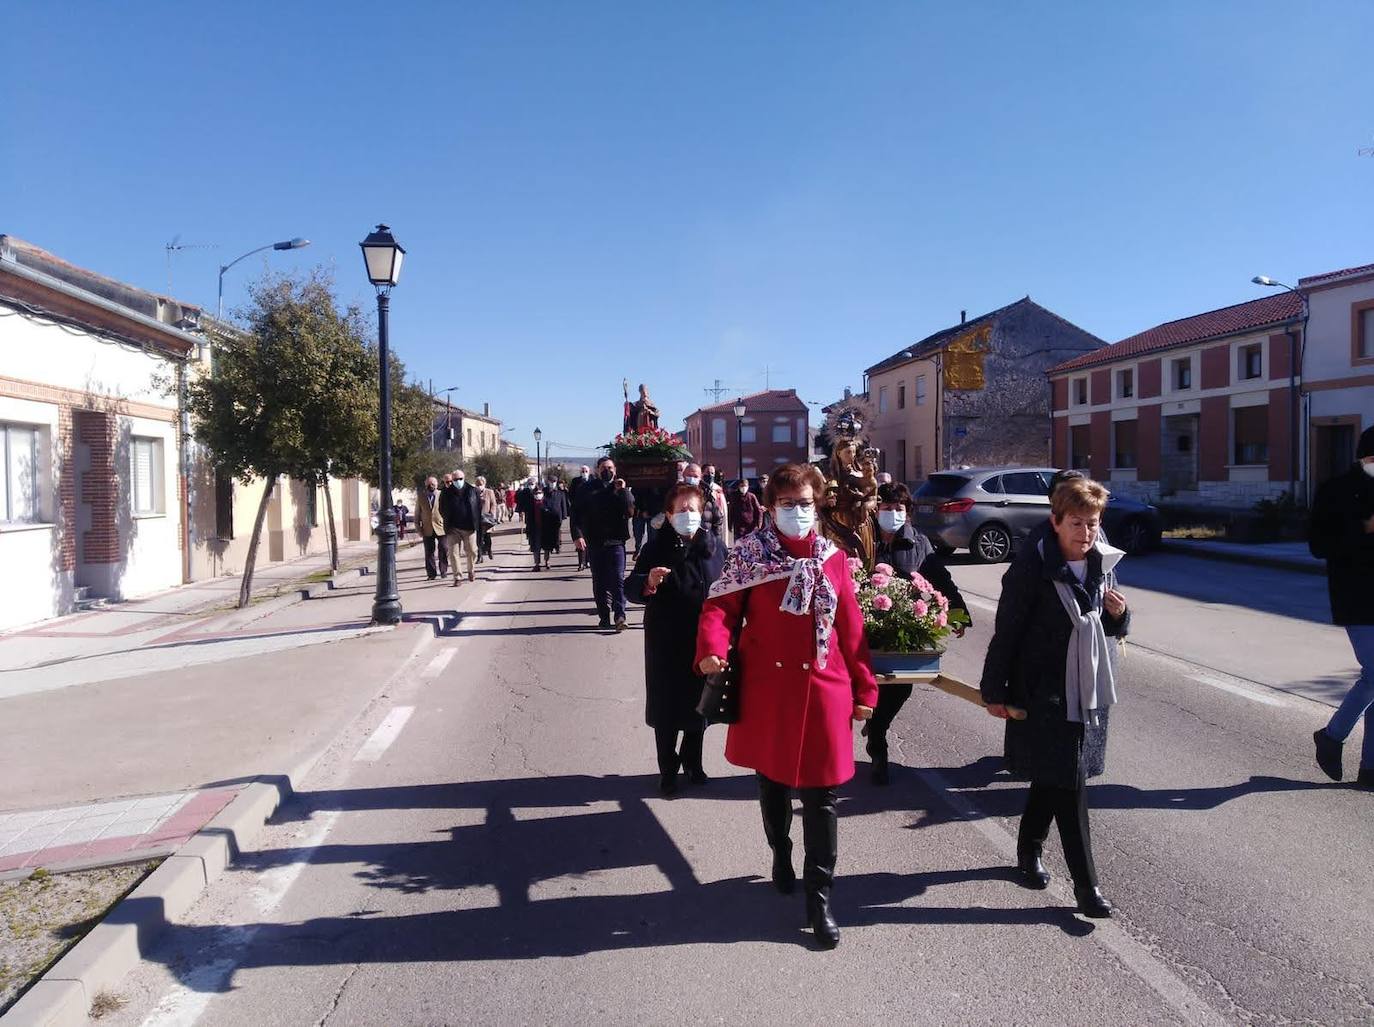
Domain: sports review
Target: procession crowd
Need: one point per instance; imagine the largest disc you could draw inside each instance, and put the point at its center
(744, 594)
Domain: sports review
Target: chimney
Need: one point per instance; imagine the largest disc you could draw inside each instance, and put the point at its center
(486, 409)
(963, 316)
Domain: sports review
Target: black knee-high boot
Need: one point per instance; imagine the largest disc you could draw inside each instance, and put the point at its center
(820, 836)
(1041, 804)
(775, 802)
(690, 754)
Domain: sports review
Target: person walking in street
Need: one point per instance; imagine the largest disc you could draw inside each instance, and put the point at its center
(671, 578)
(787, 595)
(745, 511)
(544, 523)
(510, 501)
(1342, 534)
(575, 489)
(1050, 656)
(713, 515)
(911, 555)
(601, 530)
(487, 507)
(461, 509)
(430, 523)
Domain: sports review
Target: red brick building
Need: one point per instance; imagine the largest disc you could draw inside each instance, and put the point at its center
(1199, 410)
(774, 430)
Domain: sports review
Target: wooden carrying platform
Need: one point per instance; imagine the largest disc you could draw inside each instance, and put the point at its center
(945, 683)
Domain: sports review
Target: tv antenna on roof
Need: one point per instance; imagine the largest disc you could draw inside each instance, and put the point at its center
(176, 245)
(717, 390)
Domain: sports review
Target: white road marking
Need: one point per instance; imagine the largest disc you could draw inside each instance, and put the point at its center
(1240, 690)
(387, 732)
(980, 602)
(186, 1003)
(437, 665)
(1111, 935)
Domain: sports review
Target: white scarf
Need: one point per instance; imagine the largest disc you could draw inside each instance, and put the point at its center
(1089, 673)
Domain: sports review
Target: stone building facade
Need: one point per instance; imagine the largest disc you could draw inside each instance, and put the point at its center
(971, 394)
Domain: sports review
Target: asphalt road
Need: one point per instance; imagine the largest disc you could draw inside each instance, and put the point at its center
(486, 845)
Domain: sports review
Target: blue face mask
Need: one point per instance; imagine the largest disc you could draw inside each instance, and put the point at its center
(795, 522)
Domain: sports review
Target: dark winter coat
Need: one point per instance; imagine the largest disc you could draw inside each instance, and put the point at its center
(910, 553)
(1025, 667)
(1337, 535)
(544, 521)
(746, 513)
(461, 508)
(603, 514)
(672, 686)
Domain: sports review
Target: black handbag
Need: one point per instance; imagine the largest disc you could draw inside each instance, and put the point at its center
(720, 694)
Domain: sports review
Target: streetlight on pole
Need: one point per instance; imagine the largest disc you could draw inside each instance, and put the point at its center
(448, 414)
(739, 434)
(538, 462)
(382, 255)
(1294, 372)
(287, 244)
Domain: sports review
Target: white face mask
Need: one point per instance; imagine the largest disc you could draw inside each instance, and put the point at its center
(891, 520)
(692, 479)
(1367, 467)
(459, 482)
(795, 522)
(686, 523)
(539, 497)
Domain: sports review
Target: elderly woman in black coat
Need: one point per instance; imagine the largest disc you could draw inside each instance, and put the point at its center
(547, 509)
(1051, 657)
(671, 577)
(909, 553)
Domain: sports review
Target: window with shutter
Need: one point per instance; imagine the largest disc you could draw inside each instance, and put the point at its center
(145, 476)
(20, 443)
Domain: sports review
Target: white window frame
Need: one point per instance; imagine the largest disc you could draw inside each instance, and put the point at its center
(1117, 391)
(1074, 401)
(156, 499)
(882, 399)
(717, 433)
(13, 438)
(1237, 350)
(920, 390)
(1171, 374)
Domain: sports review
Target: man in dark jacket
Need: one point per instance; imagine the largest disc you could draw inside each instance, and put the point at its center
(600, 528)
(1342, 534)
(909, 553)
(583, 480)
(460, 506)
(745, 512)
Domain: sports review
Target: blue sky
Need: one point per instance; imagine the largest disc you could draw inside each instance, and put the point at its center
(679, 192)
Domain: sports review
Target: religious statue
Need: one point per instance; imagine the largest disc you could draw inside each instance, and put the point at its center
(851, 494)
(640, 414)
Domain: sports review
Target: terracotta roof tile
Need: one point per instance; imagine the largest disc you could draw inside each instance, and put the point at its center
(1331, 275)
(770, 401)
(1267, 310)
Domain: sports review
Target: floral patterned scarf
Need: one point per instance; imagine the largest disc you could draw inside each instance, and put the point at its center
(761, 557)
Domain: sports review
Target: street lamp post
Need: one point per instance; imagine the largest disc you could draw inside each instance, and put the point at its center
(383, 255)
(739, 434)
(287, 244)
(538, 459)
(1294, 372)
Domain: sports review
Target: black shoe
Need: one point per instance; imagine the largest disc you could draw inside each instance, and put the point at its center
(880, 774)
(667, 784)
(822, 921)
(1365, 779)
(698, 776)
(431, 577)
(604, 622)
(620, 624)
(1328, 754)
(1091, 903)
(1030, 870)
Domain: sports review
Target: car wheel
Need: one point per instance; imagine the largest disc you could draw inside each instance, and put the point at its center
(991, 544)
(1136, 537)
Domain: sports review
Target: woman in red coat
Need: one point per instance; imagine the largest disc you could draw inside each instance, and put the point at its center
(805, 678)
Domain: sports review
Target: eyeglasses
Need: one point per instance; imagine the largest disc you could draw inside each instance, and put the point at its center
(797, 504)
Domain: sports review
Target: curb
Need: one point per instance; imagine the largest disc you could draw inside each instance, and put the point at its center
(62, 997)
(1282, 563)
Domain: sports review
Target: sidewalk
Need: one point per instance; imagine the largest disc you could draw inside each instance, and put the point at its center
(1288, 556)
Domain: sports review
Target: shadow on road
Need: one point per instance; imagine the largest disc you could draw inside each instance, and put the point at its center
(539, 842)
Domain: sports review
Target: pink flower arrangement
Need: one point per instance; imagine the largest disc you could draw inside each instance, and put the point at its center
(648, 443)
(901, 615)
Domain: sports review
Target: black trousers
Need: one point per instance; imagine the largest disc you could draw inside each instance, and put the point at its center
(670, 757)
(819, 829)
(1068, 807)
(891, 699)
(435, 545)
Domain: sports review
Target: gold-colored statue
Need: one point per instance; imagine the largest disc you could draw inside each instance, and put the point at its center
(851, 494)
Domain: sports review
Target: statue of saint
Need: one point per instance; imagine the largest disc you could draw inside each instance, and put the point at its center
(642, 413)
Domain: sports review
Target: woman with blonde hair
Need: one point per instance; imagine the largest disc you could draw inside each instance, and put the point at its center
(1051, 657)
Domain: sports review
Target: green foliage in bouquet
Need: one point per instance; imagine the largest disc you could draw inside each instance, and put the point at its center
(648, 444)
(903, 616)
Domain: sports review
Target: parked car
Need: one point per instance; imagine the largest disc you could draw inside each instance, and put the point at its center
(990, 510)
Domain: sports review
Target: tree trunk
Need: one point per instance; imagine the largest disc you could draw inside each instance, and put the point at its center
(333, 535)
(246, 586)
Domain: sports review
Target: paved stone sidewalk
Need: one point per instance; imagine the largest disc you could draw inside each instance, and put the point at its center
(97, 832)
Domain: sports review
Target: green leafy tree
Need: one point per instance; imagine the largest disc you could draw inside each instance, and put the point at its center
(285, 396)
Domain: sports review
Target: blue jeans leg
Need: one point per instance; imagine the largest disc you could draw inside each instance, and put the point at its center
(1359, 701)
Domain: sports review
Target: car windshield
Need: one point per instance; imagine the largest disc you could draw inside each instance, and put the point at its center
(942, 485)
